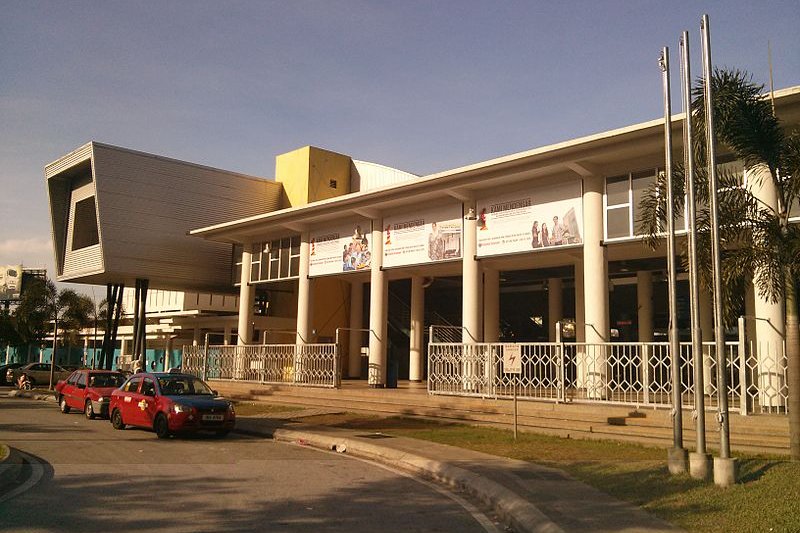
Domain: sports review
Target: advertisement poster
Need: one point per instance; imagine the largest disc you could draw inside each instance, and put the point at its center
(530, 220)
(10, 282)
(345, 248)
(424, 236)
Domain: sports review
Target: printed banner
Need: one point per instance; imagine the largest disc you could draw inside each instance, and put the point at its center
(539, 218)
(345, 248)
(423, 236)
(10, 282)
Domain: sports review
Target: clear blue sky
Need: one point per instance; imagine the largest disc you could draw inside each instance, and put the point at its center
(419, 85)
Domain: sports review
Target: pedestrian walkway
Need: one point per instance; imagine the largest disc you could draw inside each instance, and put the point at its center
(528, 497)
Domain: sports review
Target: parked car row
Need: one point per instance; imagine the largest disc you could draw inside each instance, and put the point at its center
(166, 403)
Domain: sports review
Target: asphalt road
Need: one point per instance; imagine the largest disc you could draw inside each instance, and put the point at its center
(85, 476)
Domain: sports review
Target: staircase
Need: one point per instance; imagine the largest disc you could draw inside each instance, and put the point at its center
(760, 434)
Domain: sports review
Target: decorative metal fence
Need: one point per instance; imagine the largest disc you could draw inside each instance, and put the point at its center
(637, 374)
(312, 365)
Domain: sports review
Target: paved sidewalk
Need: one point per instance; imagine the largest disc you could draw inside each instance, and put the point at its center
(529, 497)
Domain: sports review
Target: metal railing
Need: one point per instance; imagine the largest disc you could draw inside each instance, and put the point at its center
(311, 365)
(636, 374)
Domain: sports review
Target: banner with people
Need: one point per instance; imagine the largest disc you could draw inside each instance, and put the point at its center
(533, 219)
(344, 248)
(424, 236)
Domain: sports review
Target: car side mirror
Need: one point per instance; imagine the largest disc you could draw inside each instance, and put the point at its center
(215, 393)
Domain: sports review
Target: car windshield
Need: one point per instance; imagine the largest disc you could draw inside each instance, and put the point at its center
(183, 385)
(106, 380)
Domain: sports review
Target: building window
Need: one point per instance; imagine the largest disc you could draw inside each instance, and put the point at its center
(84, 228)
(271, 260)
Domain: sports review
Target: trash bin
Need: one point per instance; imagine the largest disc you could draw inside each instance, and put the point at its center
(391, 374)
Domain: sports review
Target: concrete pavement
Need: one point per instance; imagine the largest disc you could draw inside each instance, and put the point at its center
(528, 497)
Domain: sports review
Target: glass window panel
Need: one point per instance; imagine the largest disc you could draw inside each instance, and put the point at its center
(273, 270)
(617, 190)
(275, 249)
(84, 230)
(254, 271)
(237, 253)
(285, 262)
(618, 223)
(237, 274)
(295, 245)
(294, 269)
(640, 182)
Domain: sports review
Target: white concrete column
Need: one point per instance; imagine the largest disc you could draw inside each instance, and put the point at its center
(356, 321)
(247, 298)
(769, 316)
(86, 361)
(378, 310)
(304, 293)
(555, 306)
(416, 334)
(8, 354)
(491, 305)
(595, 278)
(471, 312)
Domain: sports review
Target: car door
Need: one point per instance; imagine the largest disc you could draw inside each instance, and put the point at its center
(79, 392)
(129, 406)
(148, 403)
(68, 391)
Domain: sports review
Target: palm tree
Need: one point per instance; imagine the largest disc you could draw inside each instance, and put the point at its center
(70, 311)
(759, 245)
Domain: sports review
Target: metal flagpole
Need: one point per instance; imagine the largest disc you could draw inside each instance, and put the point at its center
(677, 455)
(724, 467)
(699, 461)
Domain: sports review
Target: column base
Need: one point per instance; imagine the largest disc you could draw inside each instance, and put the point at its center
(700, 466)
(376, 386)
(725, 470)
(676, 460)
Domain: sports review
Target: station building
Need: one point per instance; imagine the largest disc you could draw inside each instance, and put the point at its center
(340, 250)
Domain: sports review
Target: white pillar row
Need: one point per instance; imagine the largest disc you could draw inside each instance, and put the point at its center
(378, 310)
(555, 306)
(595, 279)
(471, 313)
(706, 309)
(416, 334)
(769, 316)
(491, 305)
(304, 293)
(356, 321)
(247, 298)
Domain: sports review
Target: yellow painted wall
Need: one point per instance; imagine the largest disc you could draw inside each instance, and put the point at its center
(308, 173)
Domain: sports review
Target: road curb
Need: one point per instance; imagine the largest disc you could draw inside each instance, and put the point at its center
(515, 511)
(46, 396)
(10, 465)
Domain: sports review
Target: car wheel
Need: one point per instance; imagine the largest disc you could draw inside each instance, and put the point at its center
(161, 426)
(88, 410)
(30, 383)
(116, 420)
(62, 403)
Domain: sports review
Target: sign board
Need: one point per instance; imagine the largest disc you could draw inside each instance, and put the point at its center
(531, 220)
(343, 248)
(512, 359)
(10, 282)
(422, 236)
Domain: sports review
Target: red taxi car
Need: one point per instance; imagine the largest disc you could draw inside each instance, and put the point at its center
(88, 390)
(170, 403)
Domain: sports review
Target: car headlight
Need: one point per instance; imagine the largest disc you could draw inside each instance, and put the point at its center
(178, 408)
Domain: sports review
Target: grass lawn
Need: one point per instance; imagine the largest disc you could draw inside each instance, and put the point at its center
(767, 498)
